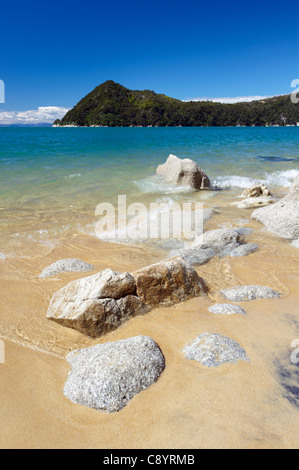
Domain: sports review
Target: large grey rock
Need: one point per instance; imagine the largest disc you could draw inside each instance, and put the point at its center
(168, 282)
(282, 218)
(257, 191)
(241, 293)
(64, 265)
(226, 309)
(183, 172)
(216, 239)
(96, 304)
(212, 350)
(107, 376)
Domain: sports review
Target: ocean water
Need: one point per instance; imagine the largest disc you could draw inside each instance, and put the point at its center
(51, 179)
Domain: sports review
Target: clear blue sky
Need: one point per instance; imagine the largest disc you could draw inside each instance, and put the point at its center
(53, 53)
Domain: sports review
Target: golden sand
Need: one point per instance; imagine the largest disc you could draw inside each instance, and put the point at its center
(247, 405)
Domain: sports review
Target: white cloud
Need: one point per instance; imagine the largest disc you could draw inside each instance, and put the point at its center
(44, 114)
(236, 99)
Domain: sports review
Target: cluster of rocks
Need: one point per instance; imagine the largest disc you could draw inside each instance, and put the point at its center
(256, 196)
(106, 376)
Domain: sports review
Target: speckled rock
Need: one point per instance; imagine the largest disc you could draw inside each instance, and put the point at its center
(196, 256)
(64, 265)
(241, 293)
(183, 172)
(226, 309)
(213, 350)
(107, 376)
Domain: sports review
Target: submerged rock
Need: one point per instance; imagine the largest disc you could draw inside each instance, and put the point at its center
(236, 250)
(107, 376)
(168, 282)
(217, 239)
(253, 202)
(282, 218)
(212, 350)
(196, 256)
(227, 309)
(65, 265)
(241, 293)
(183, 172)
(257, 191)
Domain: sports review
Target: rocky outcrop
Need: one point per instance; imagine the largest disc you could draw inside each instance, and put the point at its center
(183, 172)
(65, 265)
(257, 191)
(282, 218)
(168, 282)
(97, 304)
(226, 309)
(241, 293)
(107, 376)
(213, 350)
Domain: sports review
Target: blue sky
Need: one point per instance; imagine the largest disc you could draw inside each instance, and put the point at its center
(54, 53)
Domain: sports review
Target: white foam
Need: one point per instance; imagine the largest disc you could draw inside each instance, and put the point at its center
(282, 179)
(155, 184)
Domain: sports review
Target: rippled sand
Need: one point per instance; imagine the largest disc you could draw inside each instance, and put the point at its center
(248, 405)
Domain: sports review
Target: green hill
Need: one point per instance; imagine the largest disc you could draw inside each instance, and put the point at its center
(111, 104)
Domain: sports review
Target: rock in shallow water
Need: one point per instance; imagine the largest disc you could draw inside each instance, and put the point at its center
(226, 309)
(253, 202)
(106, 376)
(212, 350)
(183, 172)
(236, 250)
(241, 293)
(295, 243)
(65, 265)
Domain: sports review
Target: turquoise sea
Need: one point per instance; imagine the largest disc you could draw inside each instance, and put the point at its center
(51, 179)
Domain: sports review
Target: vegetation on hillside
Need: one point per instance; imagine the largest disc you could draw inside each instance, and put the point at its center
(111, 104)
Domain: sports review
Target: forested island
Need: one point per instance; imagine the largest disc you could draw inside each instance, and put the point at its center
(111, 104)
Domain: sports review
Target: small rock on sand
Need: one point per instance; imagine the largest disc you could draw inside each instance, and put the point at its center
(212, 350)
(227, 309)
(65, 265)
(242, 293)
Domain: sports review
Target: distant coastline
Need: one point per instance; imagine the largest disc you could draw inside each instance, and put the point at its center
(112, 105)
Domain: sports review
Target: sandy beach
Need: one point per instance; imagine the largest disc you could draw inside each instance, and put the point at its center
(248, 405)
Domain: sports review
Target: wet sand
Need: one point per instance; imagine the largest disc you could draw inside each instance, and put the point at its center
(248, 405)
